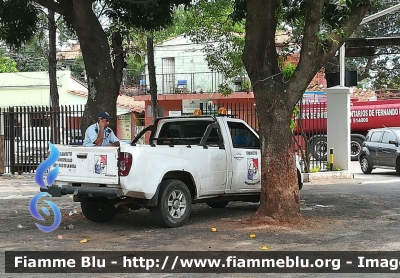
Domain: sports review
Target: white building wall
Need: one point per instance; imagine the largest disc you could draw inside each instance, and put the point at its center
(29, 88)
(190, 65)
(33, 89)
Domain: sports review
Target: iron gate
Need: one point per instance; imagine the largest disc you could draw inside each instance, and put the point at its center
(27, 130)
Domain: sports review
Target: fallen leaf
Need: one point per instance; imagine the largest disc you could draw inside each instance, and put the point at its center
(252, 236)
(83, 240)
(265, 247)
(213, 229)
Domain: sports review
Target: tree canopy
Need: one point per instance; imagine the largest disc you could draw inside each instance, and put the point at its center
(7, 65)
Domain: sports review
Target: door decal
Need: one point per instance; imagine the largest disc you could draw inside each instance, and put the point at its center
(253, 176)
(238, 156)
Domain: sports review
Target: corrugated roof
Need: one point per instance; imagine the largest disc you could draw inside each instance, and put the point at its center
(123, 101)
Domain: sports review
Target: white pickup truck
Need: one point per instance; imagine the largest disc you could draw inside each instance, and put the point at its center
(194, 159)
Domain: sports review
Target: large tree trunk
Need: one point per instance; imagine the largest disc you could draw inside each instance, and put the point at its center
(52, 59)
(279, 190)
(279, 187)
(152, 75)
(102, 84)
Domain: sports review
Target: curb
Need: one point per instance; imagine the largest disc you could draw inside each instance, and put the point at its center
(344, 174)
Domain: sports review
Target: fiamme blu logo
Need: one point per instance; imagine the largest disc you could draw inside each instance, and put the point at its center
(40, 180)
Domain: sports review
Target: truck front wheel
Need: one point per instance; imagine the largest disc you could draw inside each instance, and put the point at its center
(98, 210)
(174, 204)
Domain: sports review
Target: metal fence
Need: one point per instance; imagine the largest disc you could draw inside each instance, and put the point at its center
(28, 130)
(309, 136)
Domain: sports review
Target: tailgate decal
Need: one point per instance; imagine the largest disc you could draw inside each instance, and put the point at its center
(100, 166)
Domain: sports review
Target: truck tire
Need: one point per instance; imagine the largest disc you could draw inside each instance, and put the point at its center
(174, 204)
(319, 148)
(366, 167)
(355, 148)
(221, 204)
(98, 210)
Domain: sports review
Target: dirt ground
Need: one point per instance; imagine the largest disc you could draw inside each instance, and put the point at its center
(340, 215)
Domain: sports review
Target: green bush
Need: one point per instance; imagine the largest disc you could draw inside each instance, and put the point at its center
(288, 69)
(315, 170)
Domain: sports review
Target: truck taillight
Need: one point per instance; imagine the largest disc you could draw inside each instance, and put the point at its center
(124, 164)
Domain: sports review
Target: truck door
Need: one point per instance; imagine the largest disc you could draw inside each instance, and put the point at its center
(387, 152)
(245, 157)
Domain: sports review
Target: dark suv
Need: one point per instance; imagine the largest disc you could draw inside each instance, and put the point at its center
(381, 150)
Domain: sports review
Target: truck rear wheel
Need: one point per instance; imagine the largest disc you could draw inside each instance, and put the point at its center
(174, 204)
(98, 210)
(221, 204)
(355, 148)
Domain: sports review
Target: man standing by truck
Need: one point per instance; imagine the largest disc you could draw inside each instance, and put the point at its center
(99, 134)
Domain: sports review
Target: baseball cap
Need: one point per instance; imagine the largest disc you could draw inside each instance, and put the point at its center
(104, 115)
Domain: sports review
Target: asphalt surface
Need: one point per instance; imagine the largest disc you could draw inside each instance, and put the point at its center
(359, 214)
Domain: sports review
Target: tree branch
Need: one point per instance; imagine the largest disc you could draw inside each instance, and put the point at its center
(310, 40)
(260, 40)
(61, 6)
(308, 65)
(358, 11)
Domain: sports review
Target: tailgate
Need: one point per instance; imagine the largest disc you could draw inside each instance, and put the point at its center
(79, 164)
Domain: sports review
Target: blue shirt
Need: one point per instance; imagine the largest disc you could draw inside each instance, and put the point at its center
(92, 133)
